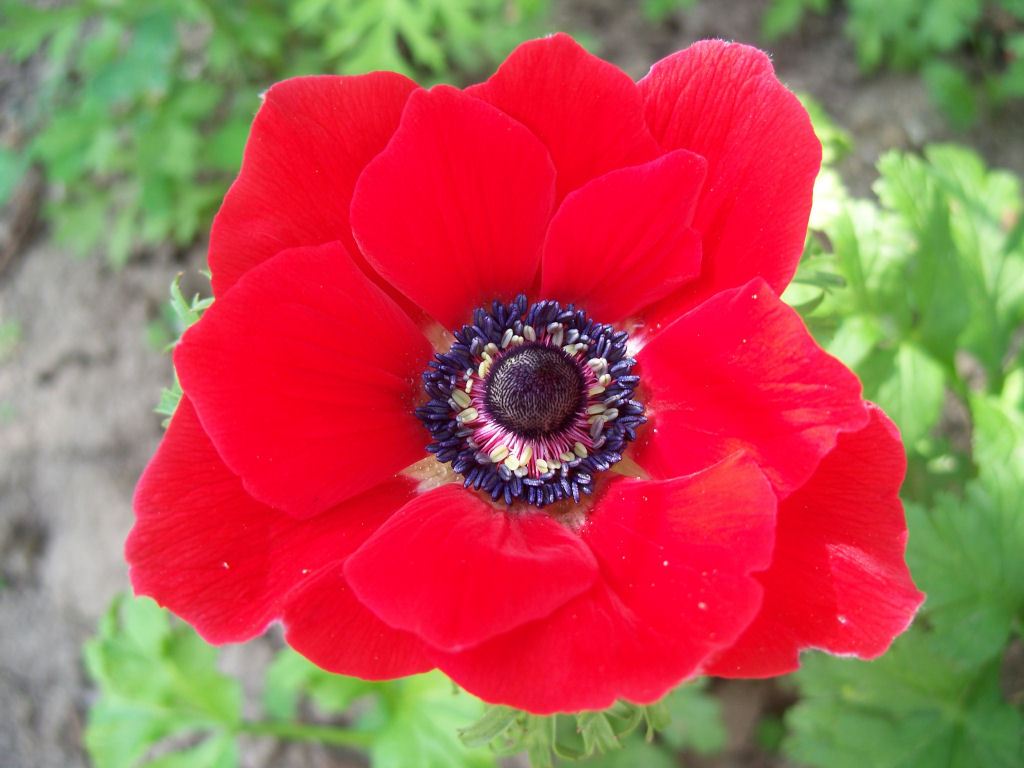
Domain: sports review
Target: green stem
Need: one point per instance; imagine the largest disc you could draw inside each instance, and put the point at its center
(325, 734)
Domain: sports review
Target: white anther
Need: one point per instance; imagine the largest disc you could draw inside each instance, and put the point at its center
(604, 379)
(517, 340)
(611, 414)
(554, 463)
(596, 427)
(506, 338)
(580, 449)
(567, 456)
(542, 466)
(468, 415)
(596, 408)
(462, 400)
(595, 390)
(526, 454)
(572, 349)
(529, 333)
(491, 349)
(512, 463)
(521, 471)
(598, 365)
(483, 368)
(498, 454)
(555, 332)
(469, 386)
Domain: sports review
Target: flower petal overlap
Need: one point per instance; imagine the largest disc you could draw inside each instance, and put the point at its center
(378, 230)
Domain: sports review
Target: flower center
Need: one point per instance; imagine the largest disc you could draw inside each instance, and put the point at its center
(535, 390)
(531, 401)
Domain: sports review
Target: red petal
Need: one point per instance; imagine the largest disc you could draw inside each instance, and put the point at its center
(675, 559)
(838, 580)
(218, 558)
(303, 375)
(623, 240)
(741, 372)
(587, 112)
(309, 142)
(453, 212)
(456, 571)
(722, 101)
(327, 625)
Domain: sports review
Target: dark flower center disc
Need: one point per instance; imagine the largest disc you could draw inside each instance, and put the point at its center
(535, 391)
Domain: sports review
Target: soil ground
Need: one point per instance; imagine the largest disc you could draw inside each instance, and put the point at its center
(78, 388)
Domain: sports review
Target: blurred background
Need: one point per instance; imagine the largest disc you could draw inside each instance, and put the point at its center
(122, 124)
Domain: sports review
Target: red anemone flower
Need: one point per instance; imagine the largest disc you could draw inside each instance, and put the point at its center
(498, 381)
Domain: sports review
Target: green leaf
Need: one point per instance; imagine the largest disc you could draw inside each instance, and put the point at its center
(917, 707)
(952, 91)
(169, 399)
(784, 16)
(119, 734)
(657, 10)
(935, 275)
(913, 392)
(494, 722)
(143, 69)
(421, 726)
(156, 680)
(283, 684)
(984, 209)
(696, 719)
(597, 733)
(216, 752)
(855, 339)
(189, 311)
(966, 550)
(26, 27)
(999, 439)
(965, 553)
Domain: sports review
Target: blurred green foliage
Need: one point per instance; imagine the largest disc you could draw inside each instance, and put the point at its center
(143, 108)
(658, 10)
(963, 48)
(163, 703)
(158, 682)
